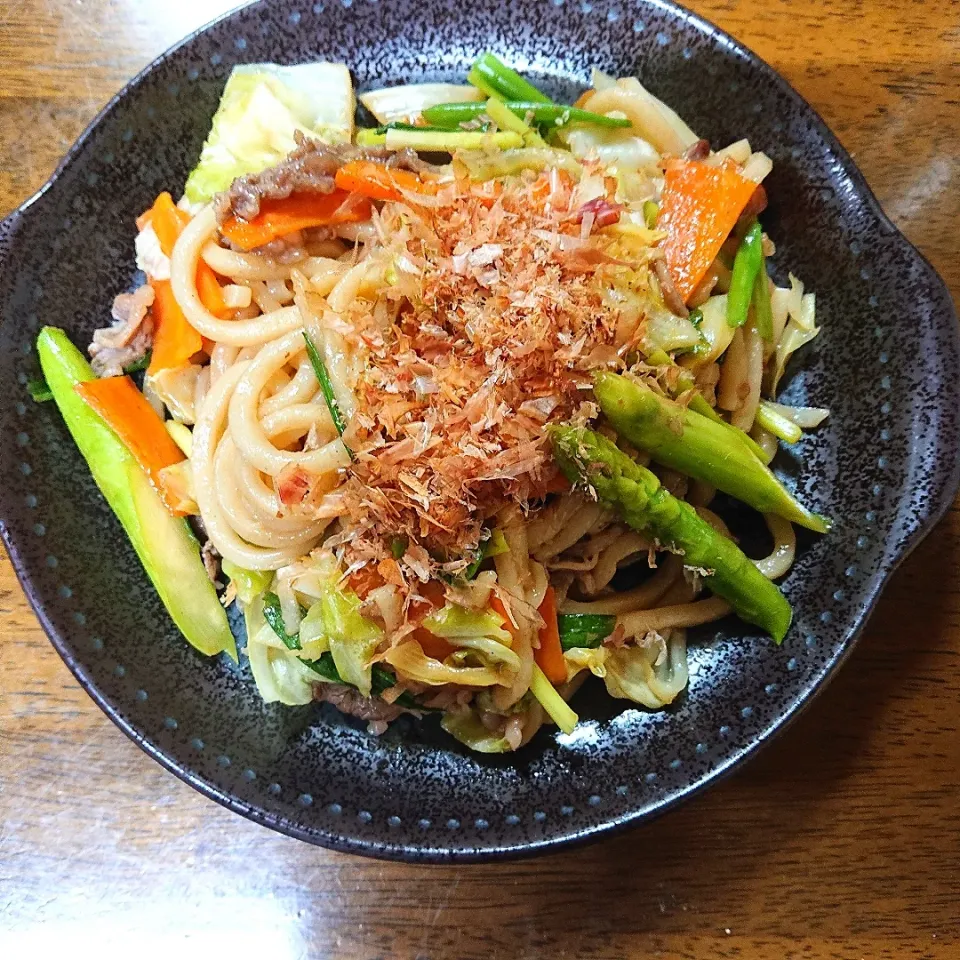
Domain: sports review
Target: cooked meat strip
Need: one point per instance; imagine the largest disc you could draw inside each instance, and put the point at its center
(310, 168)
(671, 297)
(697, 151)
(350, 701)
(128, 338)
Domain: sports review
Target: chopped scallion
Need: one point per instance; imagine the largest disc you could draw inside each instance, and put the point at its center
(326, 387)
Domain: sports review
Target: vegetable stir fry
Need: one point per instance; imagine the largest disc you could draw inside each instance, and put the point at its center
(441, 402)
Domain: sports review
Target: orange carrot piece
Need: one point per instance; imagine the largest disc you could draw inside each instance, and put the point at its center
(299, 211)
(497, 606)
(126, 411)
(211, 293)
(167, 220)
(549, 655)
(432, 597)
(699, 207)
(174, 340)
(432, 645)
(380, 182)
(362, 581)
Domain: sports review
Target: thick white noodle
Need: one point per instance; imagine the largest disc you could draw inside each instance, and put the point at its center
(250, 434)
(183, 268)
(211, 422)
(780, 559)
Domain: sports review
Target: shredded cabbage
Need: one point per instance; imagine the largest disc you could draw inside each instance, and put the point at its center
(456, 622)
(714, 329)
(490, 652)
(619, 149)
(485, 165)
(278, 673)
(666, 331)
(261, 108)
(406, 103)
(409, 660)
(467, 728)
(757, 168)
(352, 637)
(314, 641)
(794, 337)
(650, 117)
(633, 673)
(586, 658)
(249, 584)
(805, 417)
(600, 80)
(177, 389)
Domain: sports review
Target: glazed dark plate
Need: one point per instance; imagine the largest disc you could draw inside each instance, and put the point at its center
(884, 465)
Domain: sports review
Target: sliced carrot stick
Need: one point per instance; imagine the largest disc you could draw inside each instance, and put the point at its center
(432, 596)
(432, 645)
(699, 207)
(549, 655)
(127, 412)
(211, 293)
(174, 340)
(299, 211)
(380, 182)
(167, 220)
(557, 483)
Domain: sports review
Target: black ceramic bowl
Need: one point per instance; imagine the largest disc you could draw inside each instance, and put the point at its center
(884, 465)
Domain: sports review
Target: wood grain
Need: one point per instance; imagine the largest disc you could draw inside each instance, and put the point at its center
(842, 840)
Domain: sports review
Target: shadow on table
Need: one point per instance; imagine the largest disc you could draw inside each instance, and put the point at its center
(733, 852)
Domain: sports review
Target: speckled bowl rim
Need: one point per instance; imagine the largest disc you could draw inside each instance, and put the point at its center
(940, 501)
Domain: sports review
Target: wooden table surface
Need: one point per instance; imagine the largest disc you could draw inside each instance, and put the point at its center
(841, 840)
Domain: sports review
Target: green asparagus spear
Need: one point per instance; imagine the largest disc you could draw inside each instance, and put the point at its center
(680, 438)
(635, 493)
(698, 404)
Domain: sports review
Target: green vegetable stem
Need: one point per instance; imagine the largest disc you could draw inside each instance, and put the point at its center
(496, 79)
(326, 387)
(762, 306)
(451, 115)
(684, 382)
(682, 439)
(635, 493)
(776, 423)
(273, 614)
(584, 629)
(746, 267)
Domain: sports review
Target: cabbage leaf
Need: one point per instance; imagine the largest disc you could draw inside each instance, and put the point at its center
(634, 674)
(263, 105)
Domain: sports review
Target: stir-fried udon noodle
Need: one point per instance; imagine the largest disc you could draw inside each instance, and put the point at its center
(451, 430)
